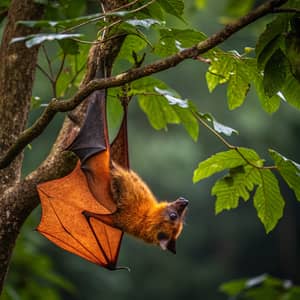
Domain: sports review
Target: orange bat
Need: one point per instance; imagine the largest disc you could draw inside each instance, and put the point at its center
(87, 211)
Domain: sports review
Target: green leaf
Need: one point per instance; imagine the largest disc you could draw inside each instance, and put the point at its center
(173, 7)
(36, 39)
(269, 104)
(232, 68)
(289, 170)
(225, 160)
(173, 40)
(234, 186)
(69, 46)
(155, 11)
(291, 91)
(268, 51)
(35, 102)
(275, 73)
(163, 106)
(234, 287)
(131, 43)
(171, 98)
(268, 200)
(292, 50)
(145, 23)
(237, 89)
(219, 127)
(269, 37)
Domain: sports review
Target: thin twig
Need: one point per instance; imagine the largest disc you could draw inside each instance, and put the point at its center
(285, 10)
(97, 84)
(106, 14)
(44, 72)
(230, 146)
(48, 61)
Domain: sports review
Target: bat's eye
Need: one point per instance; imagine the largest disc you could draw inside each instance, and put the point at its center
(173, 216)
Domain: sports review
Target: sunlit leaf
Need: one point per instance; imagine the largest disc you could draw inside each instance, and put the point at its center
(225, 160)
(268, 200)
(289, 170)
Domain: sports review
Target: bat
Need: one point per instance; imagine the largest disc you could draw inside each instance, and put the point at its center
(88, 211)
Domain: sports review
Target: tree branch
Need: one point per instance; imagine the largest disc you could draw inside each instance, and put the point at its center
(97, 84)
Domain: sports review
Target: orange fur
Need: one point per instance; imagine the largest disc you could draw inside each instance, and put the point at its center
(138, 211)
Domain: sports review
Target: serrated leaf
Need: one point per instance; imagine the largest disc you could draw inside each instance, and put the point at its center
(273, 30)
(268, 51)
(225, 160)
(275, 73)
(234, 186)
(237, 89)
(289, 170)
(268, 200)
(269, 104)
(231, 68)
(292, 50)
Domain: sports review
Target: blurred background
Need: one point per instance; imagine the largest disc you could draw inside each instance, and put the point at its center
(212, 249)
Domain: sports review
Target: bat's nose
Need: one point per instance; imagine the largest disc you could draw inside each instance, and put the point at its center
(181, 203)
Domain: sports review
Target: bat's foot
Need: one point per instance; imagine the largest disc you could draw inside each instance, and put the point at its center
(112, 267)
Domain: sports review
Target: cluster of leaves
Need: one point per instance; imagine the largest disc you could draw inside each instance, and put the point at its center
(247, 175)
(263, 287)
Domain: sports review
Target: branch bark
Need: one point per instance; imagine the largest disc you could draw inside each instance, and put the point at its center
(61, 106)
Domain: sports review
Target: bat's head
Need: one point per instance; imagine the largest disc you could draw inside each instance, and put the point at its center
(169, 229)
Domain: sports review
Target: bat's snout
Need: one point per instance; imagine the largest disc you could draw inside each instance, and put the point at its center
(181, 204)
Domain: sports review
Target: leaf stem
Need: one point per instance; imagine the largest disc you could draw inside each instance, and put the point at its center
(228, 145)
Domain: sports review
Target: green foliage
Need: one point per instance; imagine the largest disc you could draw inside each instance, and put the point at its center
(264, 287)
(163, 106)
(289, 170)
(236, 8)
(28, 280)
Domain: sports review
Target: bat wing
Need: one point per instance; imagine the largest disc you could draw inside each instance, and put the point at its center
(92, 147)
(63, 221)
(73, 206)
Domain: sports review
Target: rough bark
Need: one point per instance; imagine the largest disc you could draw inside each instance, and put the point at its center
(16, 79)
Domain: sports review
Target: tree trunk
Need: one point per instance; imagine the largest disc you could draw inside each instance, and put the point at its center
(16, 80)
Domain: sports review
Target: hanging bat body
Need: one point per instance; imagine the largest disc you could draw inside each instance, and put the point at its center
(87, 212)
